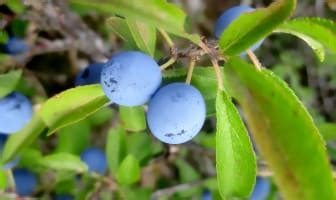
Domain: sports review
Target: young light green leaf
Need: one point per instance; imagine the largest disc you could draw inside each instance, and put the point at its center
(135, 33)
(8, 82)
(22, 139)
(133, 118)
(115, 148)
(129, 171)
(63, 162)
(74, 138)
(72, 105)
(158, 13)
(249, 28)
(318, 33)
(283, 130)
(235, 159)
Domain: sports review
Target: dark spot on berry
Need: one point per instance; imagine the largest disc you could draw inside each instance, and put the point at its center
(169, 134)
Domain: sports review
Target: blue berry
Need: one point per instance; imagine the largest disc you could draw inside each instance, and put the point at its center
(89, 75)
(25, 182)
(176, 113)
(15, 112)
(9, 165)
(63, 197)
(95, 159)
(206, 195)
(130, 78)
(16, 46)
(261, 189)
(230, 15)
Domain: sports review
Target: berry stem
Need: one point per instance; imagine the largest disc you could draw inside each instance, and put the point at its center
(190, 69)
(167, 38)
(11, 182)
(254, 59)
(214, 61)
(168, 63)
(173, 50)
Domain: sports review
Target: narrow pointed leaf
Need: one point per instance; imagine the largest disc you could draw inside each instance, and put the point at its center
(283, 130)
(235, 159)
(137, 34)
(63, 162)
(318, 33)
(72, 105)
(115, 148)
(249, 28)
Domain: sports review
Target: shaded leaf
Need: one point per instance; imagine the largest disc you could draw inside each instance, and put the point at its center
(115, 148)
(328, 131)
(63, 162)
(283, 131)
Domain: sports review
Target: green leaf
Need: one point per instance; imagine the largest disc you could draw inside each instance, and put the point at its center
(74, 138)
(3, 36)
(8, 82)
(72, 105)
(328, 131)
(158, 13)
(63, 162)
(29, 159)
(22, 139)
(136, 143)
(3, 180)
(129, 171)
(115, 148)
(235, 159)
(101, 116)
(16, 6)
(252, 27)
(318, 33)
(133, 118)
(136, 33)
(283, 130)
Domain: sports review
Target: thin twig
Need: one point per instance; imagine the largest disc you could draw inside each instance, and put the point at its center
(171, 190)
(214, 61)
(254, 59)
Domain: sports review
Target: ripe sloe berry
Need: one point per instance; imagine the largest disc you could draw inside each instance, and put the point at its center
(261, 189)
(130, 78)
(15, 46)
(228, 16)
(25, 182)
(89, 75)
(95, 159)
(176, 113)
(15, 111)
